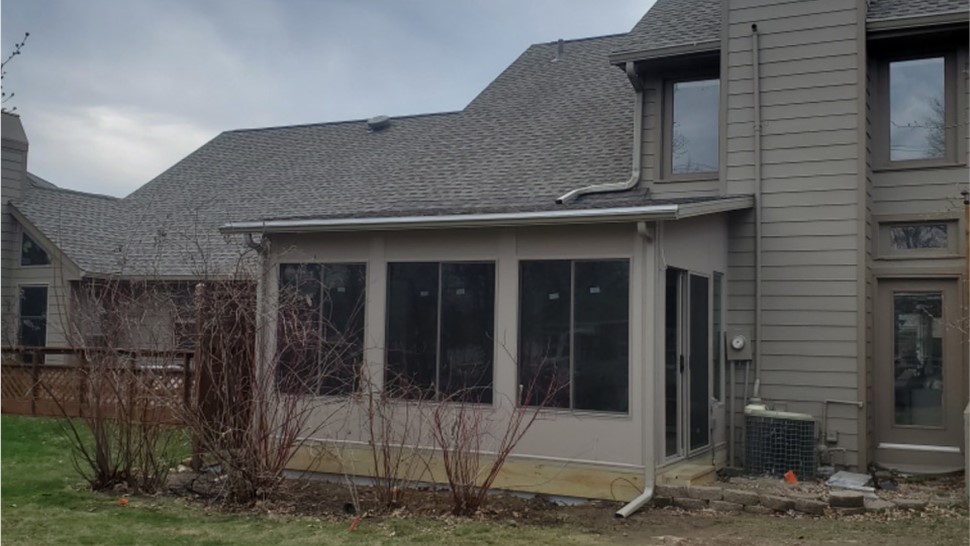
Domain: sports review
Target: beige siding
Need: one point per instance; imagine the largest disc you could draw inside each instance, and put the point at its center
(810, 149)
(14, 171)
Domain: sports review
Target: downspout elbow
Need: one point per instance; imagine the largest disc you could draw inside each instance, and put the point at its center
(637, 503)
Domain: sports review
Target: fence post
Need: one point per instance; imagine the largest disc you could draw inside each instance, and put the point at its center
(82, 395)
(35, 382)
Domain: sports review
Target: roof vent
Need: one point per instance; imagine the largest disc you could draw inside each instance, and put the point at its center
(378, 123)
(559, 48)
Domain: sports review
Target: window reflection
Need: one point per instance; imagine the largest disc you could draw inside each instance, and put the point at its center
(917, 111)
(917, 352)
(918, 236)
(694, 142)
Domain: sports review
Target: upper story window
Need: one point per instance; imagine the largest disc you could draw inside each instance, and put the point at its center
(917, 109)
(917, 91)
(31, 253)
(692, 142)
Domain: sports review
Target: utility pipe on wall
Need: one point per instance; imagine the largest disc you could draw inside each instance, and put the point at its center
(756, 93)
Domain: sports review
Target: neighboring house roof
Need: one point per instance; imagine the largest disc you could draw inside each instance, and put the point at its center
(680, 23)
(84, 226)
(889, 9)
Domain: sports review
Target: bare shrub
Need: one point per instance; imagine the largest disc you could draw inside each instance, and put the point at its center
(125, 435)
(476, 440)
(257, 405)
(396, 421)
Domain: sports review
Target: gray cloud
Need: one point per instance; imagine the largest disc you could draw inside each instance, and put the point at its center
(112, 93)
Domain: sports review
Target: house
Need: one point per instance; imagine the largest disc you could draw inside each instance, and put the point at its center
(738, 200)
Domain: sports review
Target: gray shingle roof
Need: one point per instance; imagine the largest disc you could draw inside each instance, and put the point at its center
(84, 226)
(886, 9)
(671, 23)
(543, 127)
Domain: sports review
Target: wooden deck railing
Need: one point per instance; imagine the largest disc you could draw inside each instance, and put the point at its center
(109, 378)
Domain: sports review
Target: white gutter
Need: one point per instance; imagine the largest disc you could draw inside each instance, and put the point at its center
(637, 140)
(666, 211)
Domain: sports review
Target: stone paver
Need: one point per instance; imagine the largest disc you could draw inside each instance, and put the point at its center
(776, 503)
(846, 499)
(810, 506)
(916, 505)
(724, 506)
(740, 496)
(690, 504)
(704, 493)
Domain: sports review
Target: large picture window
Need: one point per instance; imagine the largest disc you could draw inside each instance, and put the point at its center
(574, 329)
(440, 330)
(320, 327)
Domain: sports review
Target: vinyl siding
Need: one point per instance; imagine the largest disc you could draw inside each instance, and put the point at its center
(13, 164)
(811, 175)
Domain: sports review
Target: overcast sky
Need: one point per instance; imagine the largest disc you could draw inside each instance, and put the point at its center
(113, 92)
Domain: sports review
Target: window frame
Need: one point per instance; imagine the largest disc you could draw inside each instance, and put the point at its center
(438, 392)
(363, 349)
(954, 238)
(27, 358)
(667, 173)
(572, 410)
(953, 91)
(20, 251)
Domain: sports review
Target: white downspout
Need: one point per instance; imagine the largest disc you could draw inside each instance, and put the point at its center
(650, 240)
(756, 92)
(634, 179)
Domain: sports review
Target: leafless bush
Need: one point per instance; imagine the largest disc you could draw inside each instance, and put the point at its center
(475, 441)
(125, 435)
(395, 420)
(252, 413)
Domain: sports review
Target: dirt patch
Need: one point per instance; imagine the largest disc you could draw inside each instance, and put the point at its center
(655, 526)
(948, 490)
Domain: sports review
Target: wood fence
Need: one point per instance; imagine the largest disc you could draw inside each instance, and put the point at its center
(153, 383)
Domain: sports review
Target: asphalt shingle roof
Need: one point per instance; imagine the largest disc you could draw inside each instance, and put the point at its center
(887, 9)
(544, 126)
(671, 23)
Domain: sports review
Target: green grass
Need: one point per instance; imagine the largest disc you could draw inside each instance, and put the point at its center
(46, 502)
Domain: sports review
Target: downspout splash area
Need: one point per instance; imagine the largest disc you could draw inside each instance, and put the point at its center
(634, 179)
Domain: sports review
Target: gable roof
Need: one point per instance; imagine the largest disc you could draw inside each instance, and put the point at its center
(86, 227)
(672, 24)
(547, 124)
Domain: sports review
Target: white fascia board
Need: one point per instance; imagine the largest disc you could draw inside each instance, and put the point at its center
(501, 219)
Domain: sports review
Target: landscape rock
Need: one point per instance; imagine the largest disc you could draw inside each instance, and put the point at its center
(850, 511)
(878, 505)
(776, 503)
(673, 491)
(810, 506)
(690, 504)
(724, 506)
(916, 505)
(662, 502)
(846, 499)
(741, 497)
(704, 493)
(760, 510)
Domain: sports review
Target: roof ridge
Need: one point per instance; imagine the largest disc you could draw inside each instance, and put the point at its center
(341, 122)
(584, 39)
(76, 192)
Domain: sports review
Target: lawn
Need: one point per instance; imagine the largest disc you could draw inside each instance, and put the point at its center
(45, 502)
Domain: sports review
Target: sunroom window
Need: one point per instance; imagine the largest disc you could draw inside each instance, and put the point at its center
(320, 327)
(574, 334)
(440, 330)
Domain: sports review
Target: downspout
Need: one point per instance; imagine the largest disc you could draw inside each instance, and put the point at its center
(649, 240)
(756, 93)
(634, 179)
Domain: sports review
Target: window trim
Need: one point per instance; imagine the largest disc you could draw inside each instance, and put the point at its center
(363, 352)
(953, 92)
(624, 415)
(20, 251)
(494, 262)
(954, 238)
(667, 130)
(47, 310)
